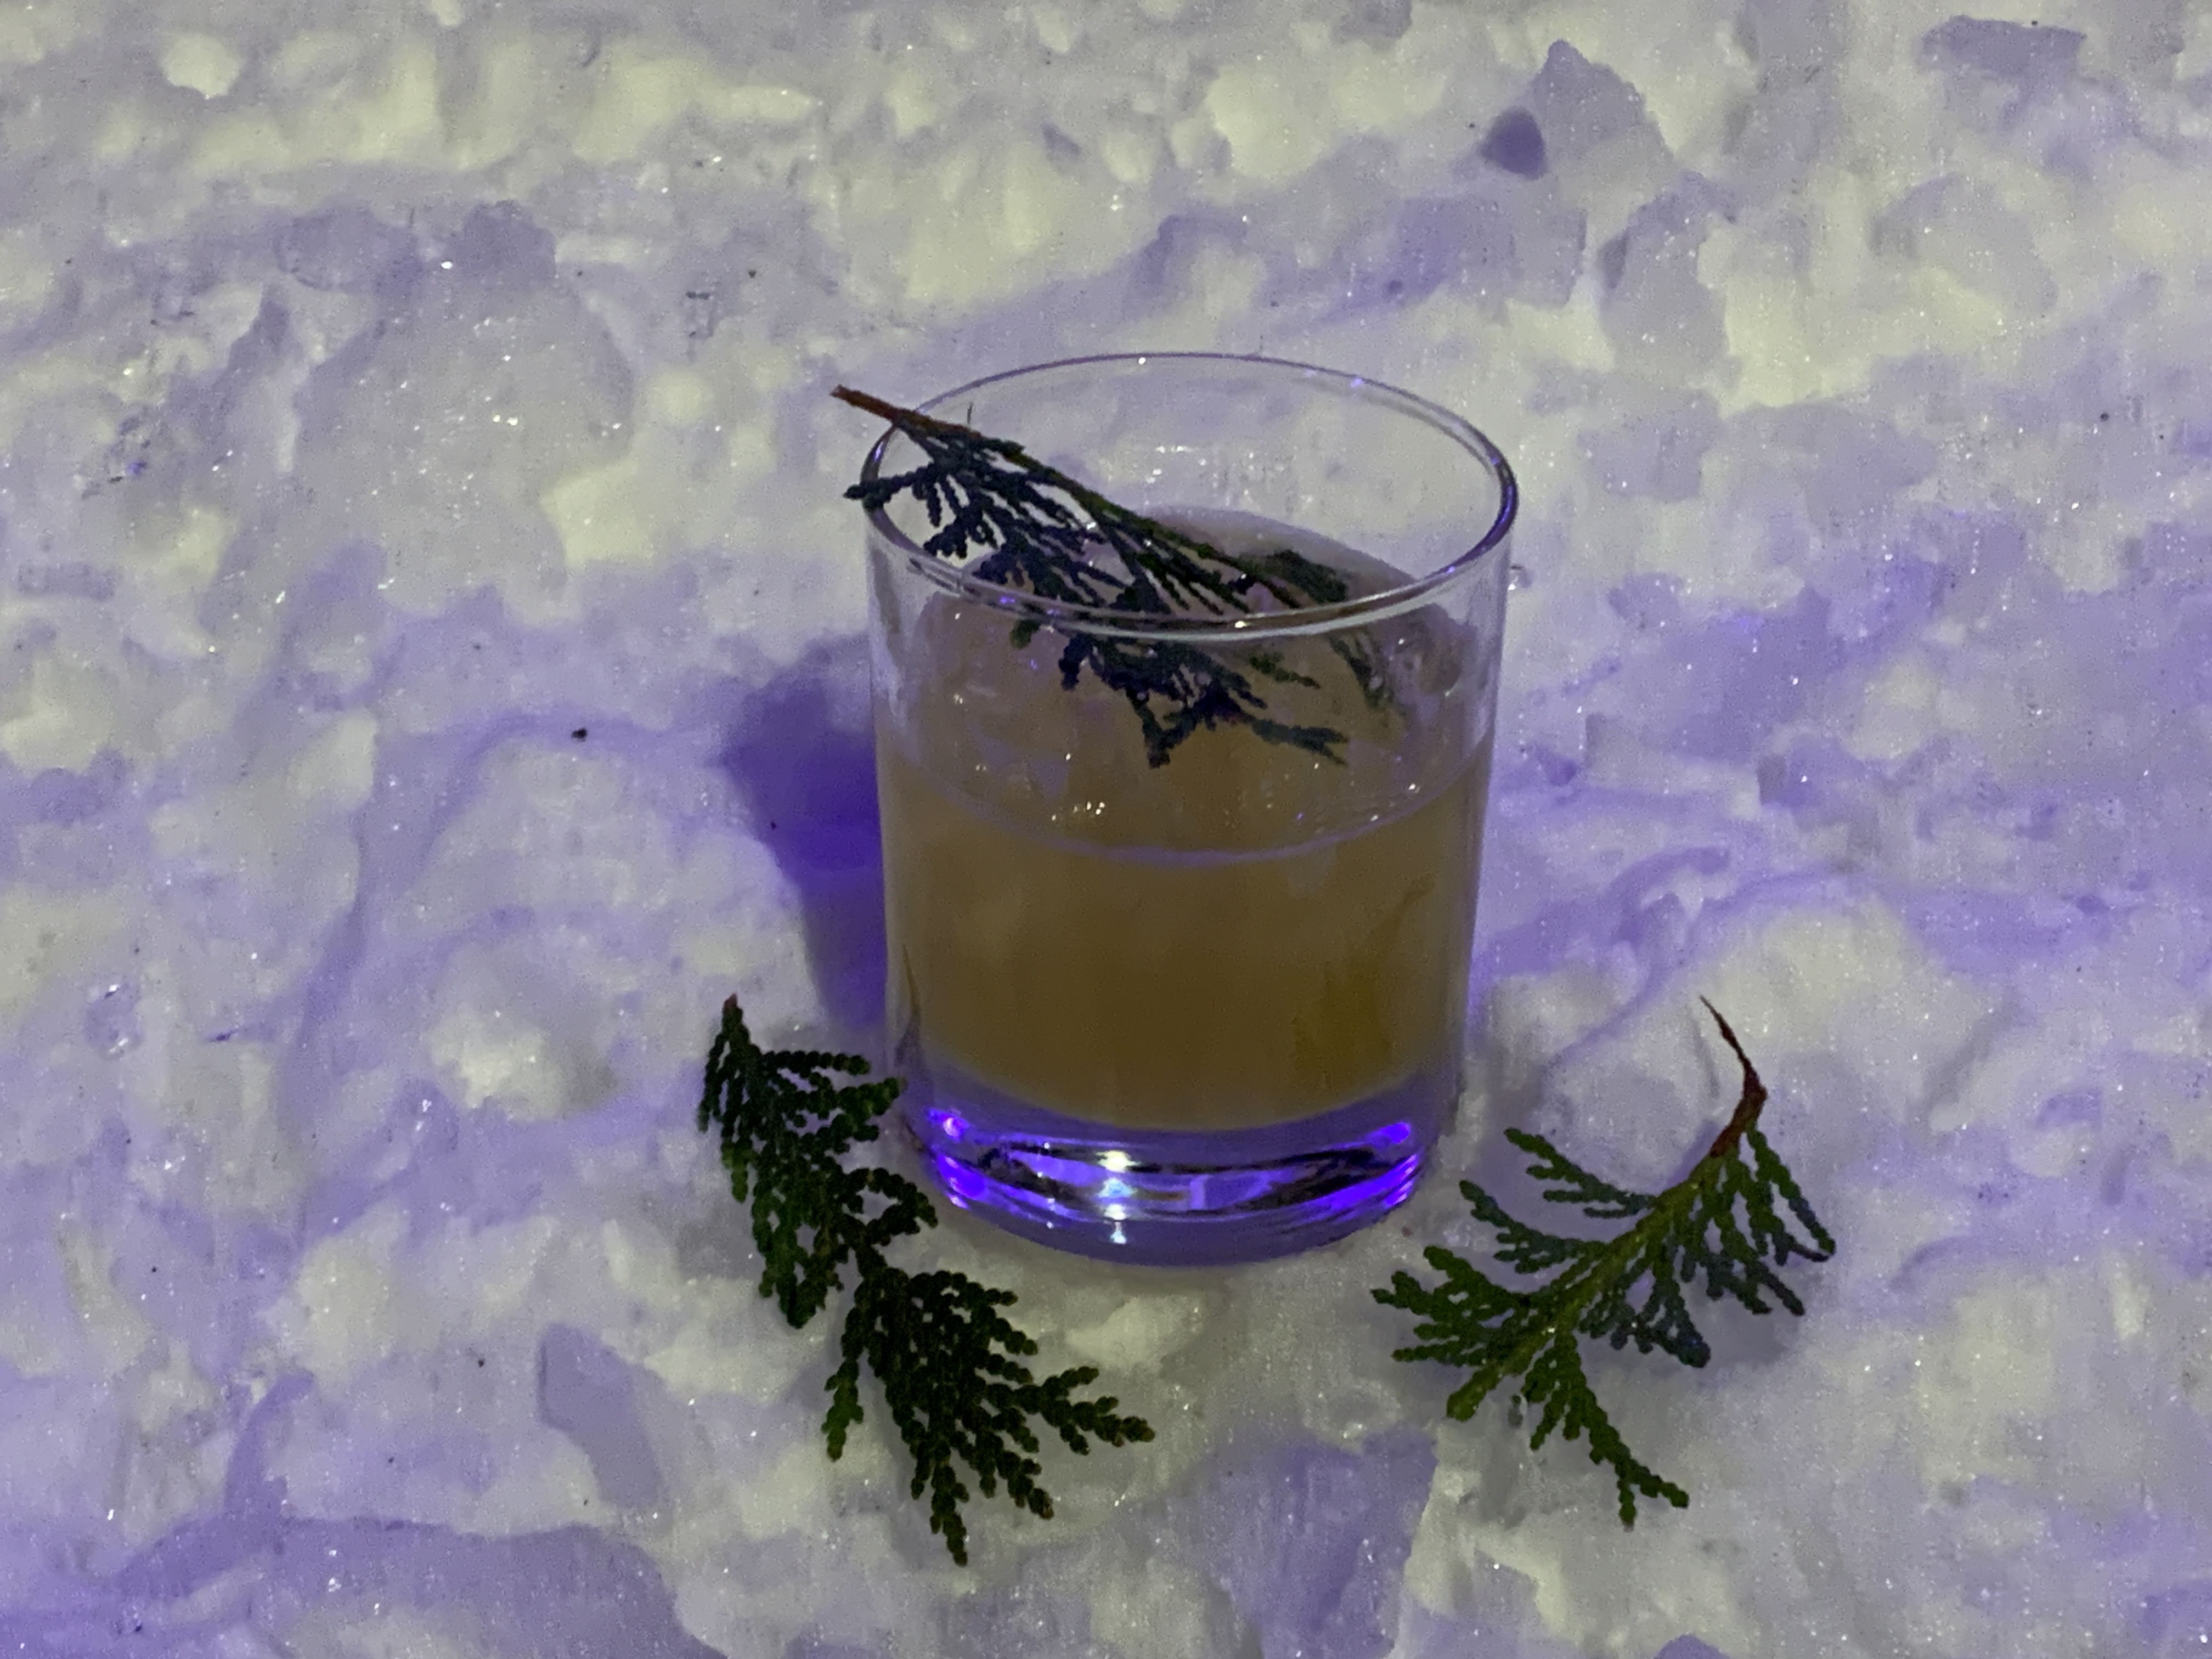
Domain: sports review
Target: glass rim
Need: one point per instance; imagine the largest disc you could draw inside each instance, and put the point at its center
(1106, 623)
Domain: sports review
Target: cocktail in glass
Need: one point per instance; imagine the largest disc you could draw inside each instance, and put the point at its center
(1207, 1005)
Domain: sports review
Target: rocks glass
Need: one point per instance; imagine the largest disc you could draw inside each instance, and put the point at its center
(1207, 1007)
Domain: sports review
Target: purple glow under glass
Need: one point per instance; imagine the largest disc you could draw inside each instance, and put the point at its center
(1164, 1199)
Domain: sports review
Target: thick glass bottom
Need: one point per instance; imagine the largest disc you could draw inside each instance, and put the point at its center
(1174, 1198)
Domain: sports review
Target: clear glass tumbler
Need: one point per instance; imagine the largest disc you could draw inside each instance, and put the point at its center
(1207, 1005)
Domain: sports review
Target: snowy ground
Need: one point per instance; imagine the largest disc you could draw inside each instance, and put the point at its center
(433, 686)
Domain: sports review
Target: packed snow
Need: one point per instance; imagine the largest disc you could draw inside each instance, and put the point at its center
(435, 682)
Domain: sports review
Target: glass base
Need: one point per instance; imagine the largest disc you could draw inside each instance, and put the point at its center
(1174, 1198)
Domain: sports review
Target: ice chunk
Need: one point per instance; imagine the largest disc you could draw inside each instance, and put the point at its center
(1845, 468)
(1660, 455)
(2026, 55)
(1577, 105)
(1377, 20)
(1027, 1617)
(586, 1391)
(500, 244)
(68, 798)
(1783, 36)
(1311, 1542)
(111, 1020)
(520, 384)
(1656, 312)
(76, 579)
(1516, 143)
(273, 1577)
(2179, 1621)
(1464, 240)
(1962, 227)
(348, 250)
(201, 64)
(1777, 135)
(1496, 240)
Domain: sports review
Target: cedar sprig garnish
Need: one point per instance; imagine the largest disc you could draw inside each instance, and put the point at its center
(1725, 1223)
(1033, 528)
(948, 1361)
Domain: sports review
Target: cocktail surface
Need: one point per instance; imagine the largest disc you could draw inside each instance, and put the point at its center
(1249, 934)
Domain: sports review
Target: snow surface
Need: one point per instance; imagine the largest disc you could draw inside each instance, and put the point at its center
(433, 686)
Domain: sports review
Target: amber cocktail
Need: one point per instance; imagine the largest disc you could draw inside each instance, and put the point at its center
(1211, 1007)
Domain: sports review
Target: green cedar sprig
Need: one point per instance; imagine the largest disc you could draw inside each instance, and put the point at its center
(1040, 531)
(1724, 1222)
(948, 1361)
